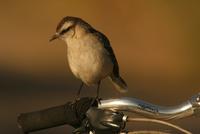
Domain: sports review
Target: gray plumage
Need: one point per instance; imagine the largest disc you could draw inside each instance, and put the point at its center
(90, 56)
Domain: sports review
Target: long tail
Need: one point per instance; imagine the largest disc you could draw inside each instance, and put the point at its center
(119, 83)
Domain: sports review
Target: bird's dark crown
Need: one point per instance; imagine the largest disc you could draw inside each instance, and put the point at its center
(74, 20)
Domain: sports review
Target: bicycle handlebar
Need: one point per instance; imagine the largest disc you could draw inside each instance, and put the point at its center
(74, 113)
(187, 108)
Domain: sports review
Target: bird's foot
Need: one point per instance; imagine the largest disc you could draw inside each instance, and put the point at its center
(96, 100)
(77, 98)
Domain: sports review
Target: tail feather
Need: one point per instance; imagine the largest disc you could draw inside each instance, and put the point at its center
(119, 84)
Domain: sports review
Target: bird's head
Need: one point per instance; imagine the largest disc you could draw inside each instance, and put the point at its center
(66, 27)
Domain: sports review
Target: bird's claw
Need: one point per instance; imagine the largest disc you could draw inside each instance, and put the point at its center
(76, 99)
(96, 100)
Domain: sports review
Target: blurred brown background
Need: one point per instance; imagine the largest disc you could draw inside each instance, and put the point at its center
(156, 42)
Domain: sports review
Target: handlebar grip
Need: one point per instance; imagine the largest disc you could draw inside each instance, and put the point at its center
(70, 113)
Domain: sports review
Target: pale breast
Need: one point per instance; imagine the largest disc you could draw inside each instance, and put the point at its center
(88, 59)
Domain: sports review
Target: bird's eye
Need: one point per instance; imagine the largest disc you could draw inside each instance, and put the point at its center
(64, 30)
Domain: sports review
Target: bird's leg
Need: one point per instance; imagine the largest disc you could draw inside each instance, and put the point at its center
(98, 87)
(97, 99)
(79, 91)
(97, 95)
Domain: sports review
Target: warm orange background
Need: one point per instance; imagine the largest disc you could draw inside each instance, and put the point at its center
(156, 42)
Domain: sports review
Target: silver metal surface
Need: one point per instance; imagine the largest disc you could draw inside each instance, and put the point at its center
(188, 108)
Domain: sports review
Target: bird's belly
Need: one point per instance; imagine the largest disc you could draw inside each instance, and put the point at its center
(89, 64)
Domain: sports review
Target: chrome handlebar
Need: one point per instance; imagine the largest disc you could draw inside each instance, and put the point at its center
(188, 108)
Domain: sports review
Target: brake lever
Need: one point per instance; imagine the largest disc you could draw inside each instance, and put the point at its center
(104, 121)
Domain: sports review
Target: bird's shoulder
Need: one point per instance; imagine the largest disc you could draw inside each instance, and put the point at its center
(104, 40)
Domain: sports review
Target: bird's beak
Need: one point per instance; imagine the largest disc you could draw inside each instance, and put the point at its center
(55, 36)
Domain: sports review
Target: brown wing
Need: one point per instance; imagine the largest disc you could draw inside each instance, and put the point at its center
(108, 47)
